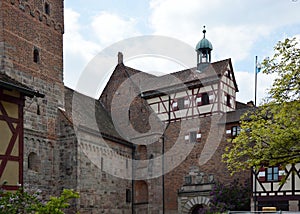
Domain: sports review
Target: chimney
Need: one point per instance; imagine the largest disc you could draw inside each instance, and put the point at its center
(120, 58)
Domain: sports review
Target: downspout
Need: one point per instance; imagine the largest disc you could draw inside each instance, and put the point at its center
(254, 198)
(163, 152)
(132, 179)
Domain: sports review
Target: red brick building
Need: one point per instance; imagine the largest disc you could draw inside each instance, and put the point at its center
(163, 154)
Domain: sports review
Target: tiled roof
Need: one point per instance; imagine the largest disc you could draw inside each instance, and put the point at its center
(89, 114)
(210, 72)
(11, 84)
(235, 116)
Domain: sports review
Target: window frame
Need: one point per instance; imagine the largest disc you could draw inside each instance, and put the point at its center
(36, 55)
(273, 172)
(128, 196)
(235, 131)
(204, 99)
(193, 137)
(228, 100)
(180, 103)
(47, 8)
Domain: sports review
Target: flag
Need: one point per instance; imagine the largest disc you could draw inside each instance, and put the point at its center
(258, 68)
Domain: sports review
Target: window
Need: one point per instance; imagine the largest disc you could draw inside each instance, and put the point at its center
(228, 100)
(140, 192)
(36, 55)
(102, 167)
(33, 162)
(272, 173)
(188, 179)
(47, 8)
(227, 74)
(193, 137)
(175, 105)
(202, 99)
(180, 103)
(235, 130)
(205, 99)
(128, 196)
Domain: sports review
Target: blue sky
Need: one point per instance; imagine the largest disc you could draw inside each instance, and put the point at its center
(238, 29)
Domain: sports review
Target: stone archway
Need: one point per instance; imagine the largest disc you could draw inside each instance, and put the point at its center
(191, 204)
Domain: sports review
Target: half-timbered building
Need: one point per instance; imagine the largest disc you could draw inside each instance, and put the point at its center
(277, 187)
(197, 110)
(159, 152)
(12, 101)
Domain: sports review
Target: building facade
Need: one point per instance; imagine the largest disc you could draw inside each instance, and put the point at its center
(162, 156)
(277, 187)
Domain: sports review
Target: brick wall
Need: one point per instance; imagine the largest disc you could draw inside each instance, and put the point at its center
(25, 27)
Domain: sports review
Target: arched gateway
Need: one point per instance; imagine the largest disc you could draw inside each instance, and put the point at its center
(195, 204)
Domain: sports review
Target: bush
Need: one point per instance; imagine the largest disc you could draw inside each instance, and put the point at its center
(24, 202)
(235, 196)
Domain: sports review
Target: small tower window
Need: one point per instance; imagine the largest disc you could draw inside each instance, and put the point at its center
(47, 8)
(36, 55)
(33, 162)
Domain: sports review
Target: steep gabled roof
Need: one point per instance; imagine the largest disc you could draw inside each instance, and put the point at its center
(90, 115)
(208, 70)
(188, 78)
(114, 86)
(124, 72)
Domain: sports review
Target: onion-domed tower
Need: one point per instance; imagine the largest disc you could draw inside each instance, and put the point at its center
(203, 49)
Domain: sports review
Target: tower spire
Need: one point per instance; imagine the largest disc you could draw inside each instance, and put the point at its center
(204, 31)
(203, 49)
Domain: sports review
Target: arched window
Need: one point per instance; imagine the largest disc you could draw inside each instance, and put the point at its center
(140, 192)
(142, 152)
(36, 55)
(34, 162)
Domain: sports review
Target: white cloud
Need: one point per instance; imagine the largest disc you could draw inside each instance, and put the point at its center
(233, 26)
(78, 50)
(246, 85)
(110, 28)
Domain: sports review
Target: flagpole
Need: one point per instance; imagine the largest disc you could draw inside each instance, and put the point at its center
(255, 88)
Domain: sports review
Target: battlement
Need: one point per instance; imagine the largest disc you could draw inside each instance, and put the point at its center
(40, 14)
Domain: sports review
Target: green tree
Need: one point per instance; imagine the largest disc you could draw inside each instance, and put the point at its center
(271, 133)
(25, 202)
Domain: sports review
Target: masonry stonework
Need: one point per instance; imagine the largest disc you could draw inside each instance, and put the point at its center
(106, 149)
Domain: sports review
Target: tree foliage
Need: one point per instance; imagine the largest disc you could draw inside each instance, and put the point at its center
(271, 133)
(24, 201)
(234, 196)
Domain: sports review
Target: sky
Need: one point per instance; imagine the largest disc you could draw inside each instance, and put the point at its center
(237, 29)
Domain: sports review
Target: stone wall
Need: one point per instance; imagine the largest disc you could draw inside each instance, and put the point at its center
(27, 27)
